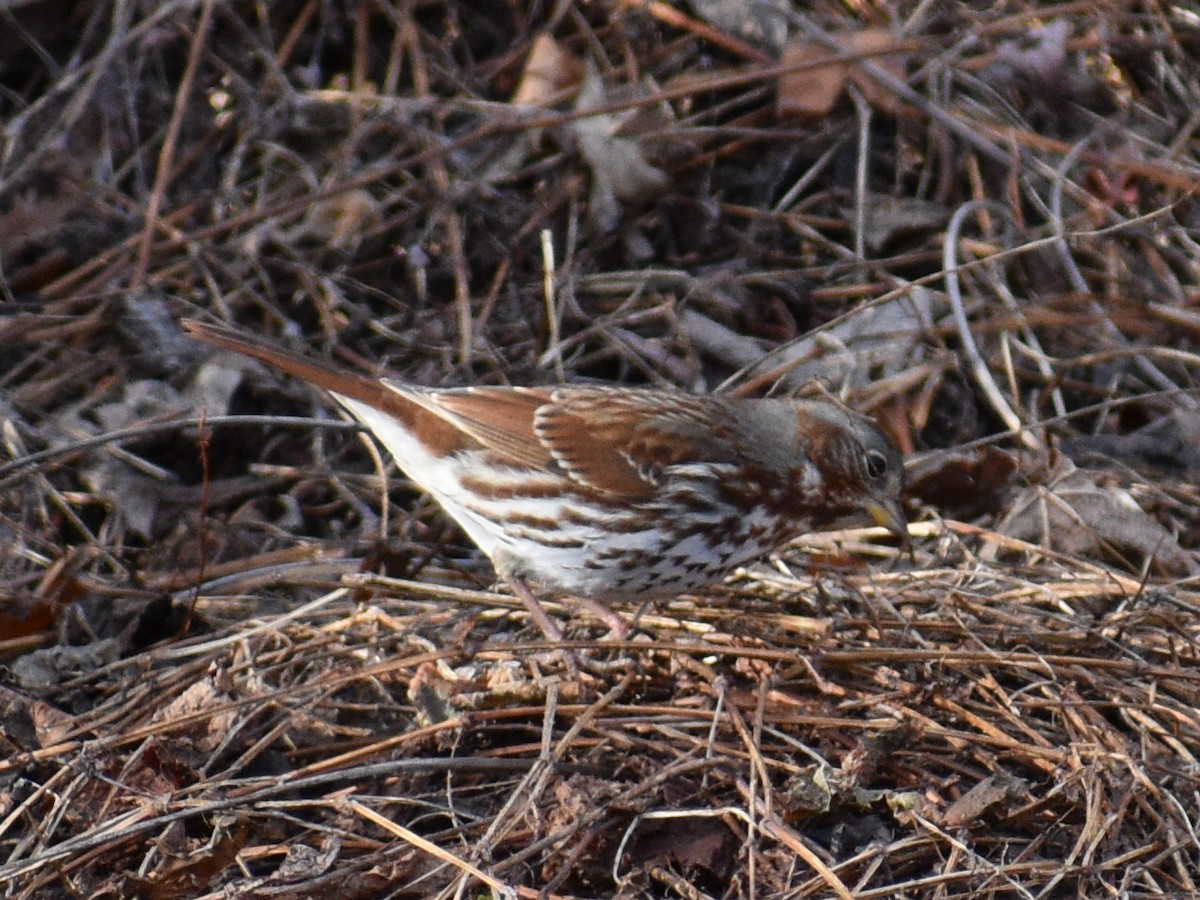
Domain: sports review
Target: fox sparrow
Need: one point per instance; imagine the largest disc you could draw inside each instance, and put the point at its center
(613, 492)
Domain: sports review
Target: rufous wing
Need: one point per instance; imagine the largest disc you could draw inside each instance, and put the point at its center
(620, 442)
(499, 419)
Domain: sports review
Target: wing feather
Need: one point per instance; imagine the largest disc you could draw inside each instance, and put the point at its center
(617, 441)
(620, 442)
(499, 419)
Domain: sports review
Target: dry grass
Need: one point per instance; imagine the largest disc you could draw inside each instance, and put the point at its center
(246, 658)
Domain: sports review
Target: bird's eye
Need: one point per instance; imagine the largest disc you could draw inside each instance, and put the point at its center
(877, 464)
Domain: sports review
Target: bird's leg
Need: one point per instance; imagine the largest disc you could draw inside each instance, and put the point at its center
(618, 628)
(537, 612)
(641, 611)
(510, 571)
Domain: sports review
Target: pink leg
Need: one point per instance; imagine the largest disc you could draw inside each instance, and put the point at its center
(536, 611)
(618, 628)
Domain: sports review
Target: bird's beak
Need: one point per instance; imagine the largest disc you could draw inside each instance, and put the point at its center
(889, 514)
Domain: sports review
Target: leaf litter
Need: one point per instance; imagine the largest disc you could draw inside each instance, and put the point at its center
(244, 656)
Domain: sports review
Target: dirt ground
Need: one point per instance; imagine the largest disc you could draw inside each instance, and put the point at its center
(243, 656)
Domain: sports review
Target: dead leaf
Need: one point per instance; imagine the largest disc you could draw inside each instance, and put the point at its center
(1073, 514)
(549, 74)
(45, 669)
(432, 691)
(620, 173)
(52, 725)
(683, 842)
(964, 485)
(213, 707)
(304, 863)
(1040, 57)
(212, 387)
(340, 221)
(991, 792)
(815, 87)
(1169, 444)
(23, 614)
(41, 214)
(549, 71)
(882, 337)
(762, 23)
(806, 793)
(149, 328)
(812, 90)
(892, 217)
(128, 484)
(875, 44)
